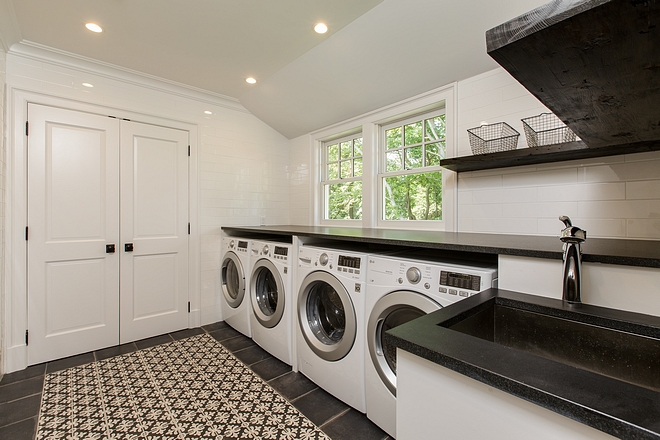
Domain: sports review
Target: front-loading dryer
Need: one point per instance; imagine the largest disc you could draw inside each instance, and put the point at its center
(330, 333)
(235, 303)
(270, 293)
(399, 290)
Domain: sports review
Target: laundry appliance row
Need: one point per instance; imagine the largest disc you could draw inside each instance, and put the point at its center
(325, 310)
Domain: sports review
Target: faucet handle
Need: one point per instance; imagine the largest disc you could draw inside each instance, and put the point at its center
(571, 234)
(566, 220)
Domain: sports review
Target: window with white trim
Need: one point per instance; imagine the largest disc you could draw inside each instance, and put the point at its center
(342, 178)
(410, 177)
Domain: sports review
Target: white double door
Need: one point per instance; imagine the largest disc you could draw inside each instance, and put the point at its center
(95, 182)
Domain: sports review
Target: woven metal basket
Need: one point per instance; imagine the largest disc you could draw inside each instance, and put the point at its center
(491, 138)
(546, 129)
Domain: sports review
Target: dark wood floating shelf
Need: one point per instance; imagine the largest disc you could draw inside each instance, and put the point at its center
(547, 154)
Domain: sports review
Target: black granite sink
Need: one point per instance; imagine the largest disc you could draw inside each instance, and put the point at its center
(596, 365)
(618, 354)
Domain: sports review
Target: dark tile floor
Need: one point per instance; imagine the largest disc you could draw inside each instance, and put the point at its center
(20, 392)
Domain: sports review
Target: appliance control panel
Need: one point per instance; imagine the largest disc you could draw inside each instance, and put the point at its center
(238, 245)
(340, 263)
(450, 281)
(281, 253)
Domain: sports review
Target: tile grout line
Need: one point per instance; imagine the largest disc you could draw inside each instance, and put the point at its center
(304, 394)
(335, 417)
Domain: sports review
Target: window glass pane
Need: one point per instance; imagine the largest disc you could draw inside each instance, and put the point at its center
(413, 197)
(394, 160)
(344, 201)
(346, 169)
(333, 153)
(413, 157)
(393, 137)
(333, 171)
(435, 128)
(434, 152)
(357, 147)
(357, 167)
(413, 133)
(346, 150)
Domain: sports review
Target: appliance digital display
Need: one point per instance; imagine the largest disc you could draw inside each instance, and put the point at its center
(345, 261)
(242, 244)
(281, 251)
(460, 280)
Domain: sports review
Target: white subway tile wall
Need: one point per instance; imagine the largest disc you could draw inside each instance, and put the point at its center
(299, 184)
(616, 197)
(3, 143)
(243, 163)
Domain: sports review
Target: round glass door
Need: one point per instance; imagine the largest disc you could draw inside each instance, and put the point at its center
(326, 316)
(393, 310)
(267, 293)
(233, 280)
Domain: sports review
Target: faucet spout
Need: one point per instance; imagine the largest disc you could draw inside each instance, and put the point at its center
(572, 278)
(572, 237)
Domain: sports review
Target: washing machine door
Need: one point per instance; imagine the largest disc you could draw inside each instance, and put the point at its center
(233, 280)
(390, 311)
(326, 316)
(267, 293)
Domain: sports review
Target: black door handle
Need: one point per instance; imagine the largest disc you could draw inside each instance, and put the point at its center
(128, 247)
(109, 248)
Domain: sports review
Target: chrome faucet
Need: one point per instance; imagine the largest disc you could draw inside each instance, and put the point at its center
(572, 236)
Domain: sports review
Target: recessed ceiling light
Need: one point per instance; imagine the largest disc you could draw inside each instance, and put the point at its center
(250, 80)
(320, 28)
(94, 27)
(208, 112)
(87, 85)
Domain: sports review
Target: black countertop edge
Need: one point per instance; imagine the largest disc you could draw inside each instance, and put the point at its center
(609, 405)
(641, 253)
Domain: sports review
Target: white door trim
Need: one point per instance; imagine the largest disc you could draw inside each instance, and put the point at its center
(14, 350)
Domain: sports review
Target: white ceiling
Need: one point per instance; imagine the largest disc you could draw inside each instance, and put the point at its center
(376, 52)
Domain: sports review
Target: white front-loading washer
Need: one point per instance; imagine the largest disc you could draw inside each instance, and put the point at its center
(235, 303)
(272, 300)
(400, 290)
(330, 331)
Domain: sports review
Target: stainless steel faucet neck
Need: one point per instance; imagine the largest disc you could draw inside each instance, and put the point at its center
(572, 237)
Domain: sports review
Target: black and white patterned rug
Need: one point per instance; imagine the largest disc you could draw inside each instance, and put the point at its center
(188, 389)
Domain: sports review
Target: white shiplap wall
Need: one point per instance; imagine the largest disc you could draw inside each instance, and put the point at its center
(617, 197)
(242, 162)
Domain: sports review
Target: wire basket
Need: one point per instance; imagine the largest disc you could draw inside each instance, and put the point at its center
(546, 129)
(492, 138)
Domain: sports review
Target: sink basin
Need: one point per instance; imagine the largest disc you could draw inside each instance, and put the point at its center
(595, 365)
(601, 347)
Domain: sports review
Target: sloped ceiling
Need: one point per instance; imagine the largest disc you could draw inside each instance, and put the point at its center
(376, 53)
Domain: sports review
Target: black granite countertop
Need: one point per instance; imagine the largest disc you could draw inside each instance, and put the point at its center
(619, 408)
(645, 253)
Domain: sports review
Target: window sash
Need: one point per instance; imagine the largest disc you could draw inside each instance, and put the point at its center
(338, 176)
(401, 147)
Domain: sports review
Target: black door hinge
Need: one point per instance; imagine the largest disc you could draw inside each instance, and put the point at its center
(27, 128)
(26, 337)
(188, 306)
(188, 228)
(188, 150)
(26, 233)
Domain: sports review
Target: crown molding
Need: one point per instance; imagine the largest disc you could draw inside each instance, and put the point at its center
(38, 52)
(10, 32)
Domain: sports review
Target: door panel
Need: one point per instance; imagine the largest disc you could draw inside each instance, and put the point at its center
(73, 203)
(154, 218)
(74, 285)
(155, 277)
